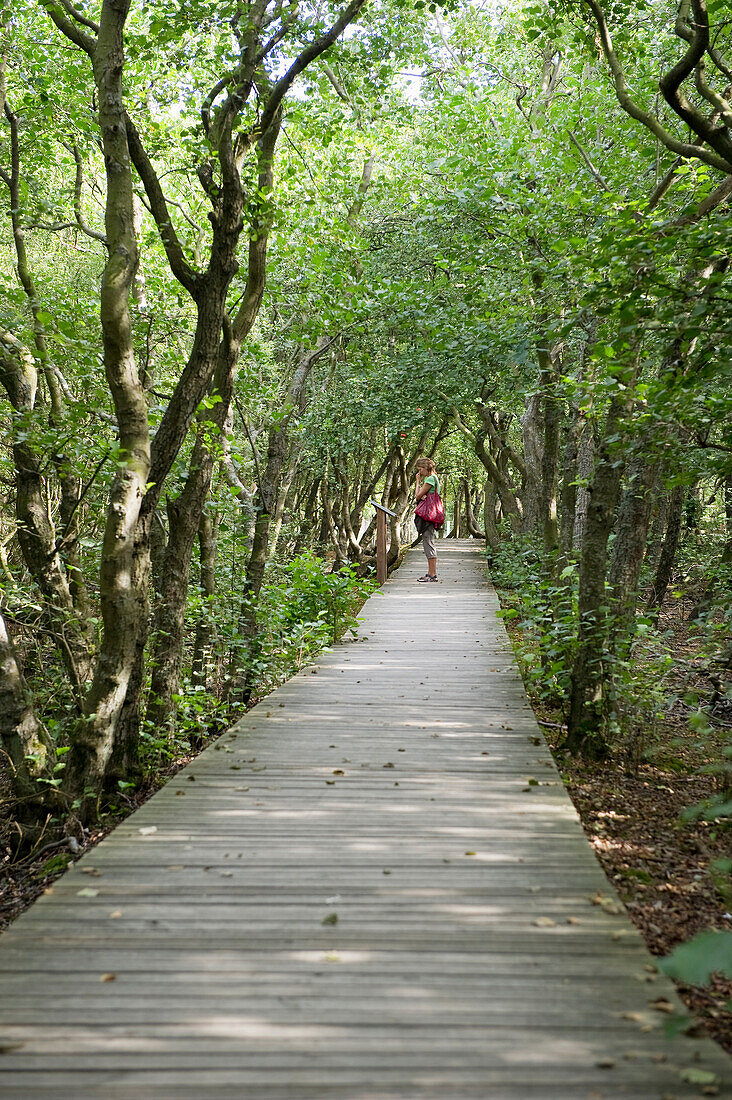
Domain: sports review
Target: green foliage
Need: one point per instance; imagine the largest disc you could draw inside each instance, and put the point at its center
(544, 610)
(327, 601)
(696, 960)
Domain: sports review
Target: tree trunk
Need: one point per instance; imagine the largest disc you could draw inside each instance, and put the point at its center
(489, 515)
(585, 466)
(631, 536)
(123, 606)
(551, 418)
(473, 530)
(207, 547)
(533, 445)
(36, 532)
(26, 744)
(658, 529)
(668, 550)
(587, 704)
(568, 493)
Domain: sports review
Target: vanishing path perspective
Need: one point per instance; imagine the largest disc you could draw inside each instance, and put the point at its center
(374, 886)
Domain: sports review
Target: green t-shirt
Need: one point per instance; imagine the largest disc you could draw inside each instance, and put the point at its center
(433, 483)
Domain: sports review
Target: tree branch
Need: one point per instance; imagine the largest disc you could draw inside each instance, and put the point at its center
(184, 272)
(682, 148)
(309, 54)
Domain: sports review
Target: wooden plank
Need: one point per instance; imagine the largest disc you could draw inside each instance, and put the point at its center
(447, 975)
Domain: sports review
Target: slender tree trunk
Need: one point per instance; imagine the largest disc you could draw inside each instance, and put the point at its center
(585, 466)
(631, 537)
(568, 493)
(489, 515)
(533, 445)
(587, 704)
(309, 519)
(473, 530)
(207, 546)
(658, 529)
(551, 417)
(123, 606)
(26, 744)
(668, 550)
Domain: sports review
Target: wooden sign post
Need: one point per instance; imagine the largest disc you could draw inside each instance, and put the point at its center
(381, 513)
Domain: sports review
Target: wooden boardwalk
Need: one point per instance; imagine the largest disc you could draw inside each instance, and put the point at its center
(373, 887)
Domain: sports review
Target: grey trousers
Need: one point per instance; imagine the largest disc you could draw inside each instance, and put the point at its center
(428, 541)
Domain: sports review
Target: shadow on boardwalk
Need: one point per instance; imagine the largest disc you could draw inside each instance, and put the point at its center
(374, 886)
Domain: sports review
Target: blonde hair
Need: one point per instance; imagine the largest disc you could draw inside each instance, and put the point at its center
(426, 464)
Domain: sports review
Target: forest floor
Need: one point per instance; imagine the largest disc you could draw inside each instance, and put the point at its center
(660, 864)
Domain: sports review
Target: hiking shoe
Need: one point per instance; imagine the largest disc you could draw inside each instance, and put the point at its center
(427, 579)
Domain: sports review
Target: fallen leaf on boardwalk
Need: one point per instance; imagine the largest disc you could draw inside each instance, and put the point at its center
(635, 1017)
(470, 853)
(389, 765)
(330, 782)
(332, 957)
(147, 830)
(191, 779)
(180, 792)
(338, 771)
(91, 871)
(115, 914)
(175, 867)
(662, 1005)
(385, 872)
(608, 905)
(696, 1076)
(332, 918)
(573, 920)
(108, 978)
(87, 892)
(544, 922)
(234, 767)
(605, 1063)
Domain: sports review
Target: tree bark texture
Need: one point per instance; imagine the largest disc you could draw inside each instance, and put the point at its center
(587, 703)
(667, 558)
(26, 744)
(631, 537)
(207, 548)
(36, 531)
(123, 602)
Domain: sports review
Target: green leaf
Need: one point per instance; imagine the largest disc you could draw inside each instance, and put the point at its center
(697, 959)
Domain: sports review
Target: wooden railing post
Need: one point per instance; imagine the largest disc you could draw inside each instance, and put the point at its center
(381, 565)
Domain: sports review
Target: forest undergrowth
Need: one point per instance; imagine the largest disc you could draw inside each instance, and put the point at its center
(641, 809)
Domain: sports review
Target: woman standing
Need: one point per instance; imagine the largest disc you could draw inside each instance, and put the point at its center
(427, 482)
